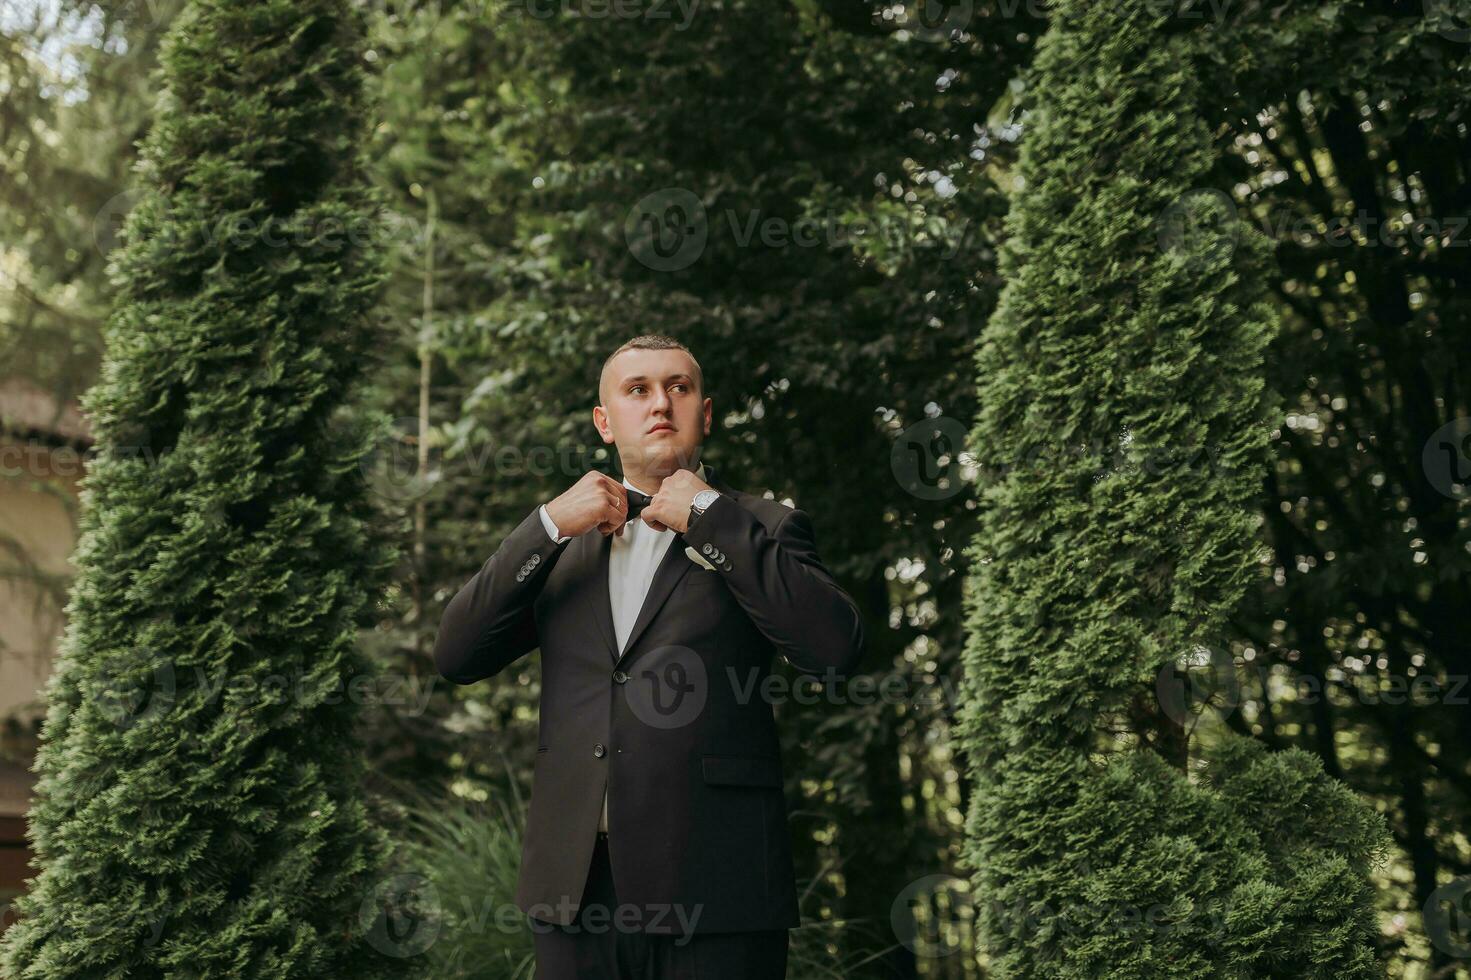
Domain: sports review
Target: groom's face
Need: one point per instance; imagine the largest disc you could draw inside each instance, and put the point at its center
(654, 410)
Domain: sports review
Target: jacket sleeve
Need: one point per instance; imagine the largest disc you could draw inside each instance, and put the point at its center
(490, 622)
(778, 579)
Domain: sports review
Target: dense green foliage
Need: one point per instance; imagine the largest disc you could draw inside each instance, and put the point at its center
(1348, 124)
(536, 136)
(1120, 443)
(199, 811)
(69, 116)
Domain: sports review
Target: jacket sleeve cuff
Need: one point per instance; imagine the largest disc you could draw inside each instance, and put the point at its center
(551, 526)
(721, 516)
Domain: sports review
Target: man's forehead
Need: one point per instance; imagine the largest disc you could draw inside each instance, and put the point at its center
(626, 367)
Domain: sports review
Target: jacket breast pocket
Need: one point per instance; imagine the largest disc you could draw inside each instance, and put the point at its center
(741, 770)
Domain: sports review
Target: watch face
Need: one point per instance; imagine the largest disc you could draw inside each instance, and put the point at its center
(705, 498)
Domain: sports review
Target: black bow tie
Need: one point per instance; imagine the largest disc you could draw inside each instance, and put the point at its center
(636, 502)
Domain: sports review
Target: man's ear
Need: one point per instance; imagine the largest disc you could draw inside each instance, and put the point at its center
(709, 406)
(600, 422)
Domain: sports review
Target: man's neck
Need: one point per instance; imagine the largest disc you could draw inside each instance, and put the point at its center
(650, 484)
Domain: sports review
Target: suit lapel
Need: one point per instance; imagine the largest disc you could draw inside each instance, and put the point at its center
(595, 550)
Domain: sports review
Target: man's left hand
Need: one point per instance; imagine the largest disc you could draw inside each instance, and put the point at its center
(670, 508)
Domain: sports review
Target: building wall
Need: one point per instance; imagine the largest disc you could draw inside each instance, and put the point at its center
(37, 534)
(38, 500)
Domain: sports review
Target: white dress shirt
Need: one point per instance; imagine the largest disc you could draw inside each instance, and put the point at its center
(632, 560)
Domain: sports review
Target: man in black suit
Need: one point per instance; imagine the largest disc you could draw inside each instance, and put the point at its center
(657, 844)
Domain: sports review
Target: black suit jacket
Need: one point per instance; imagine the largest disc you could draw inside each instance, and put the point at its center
(675, 725)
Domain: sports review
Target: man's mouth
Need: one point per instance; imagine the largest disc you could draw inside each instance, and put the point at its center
(662, 427)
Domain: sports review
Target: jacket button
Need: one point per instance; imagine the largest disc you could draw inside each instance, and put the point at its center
(705, 548)
(598, 750)
(619, 676)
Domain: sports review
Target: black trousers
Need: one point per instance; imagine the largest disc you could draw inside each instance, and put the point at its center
(603, 951)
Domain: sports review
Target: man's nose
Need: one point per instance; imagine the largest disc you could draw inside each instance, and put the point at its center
(662, 402)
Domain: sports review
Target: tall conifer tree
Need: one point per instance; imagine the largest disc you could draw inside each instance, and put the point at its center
(199, 811)
(1121, 441)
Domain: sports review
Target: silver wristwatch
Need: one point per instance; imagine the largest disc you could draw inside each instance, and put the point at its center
(702, 503)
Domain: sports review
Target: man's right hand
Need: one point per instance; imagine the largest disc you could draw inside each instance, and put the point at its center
(595, 501)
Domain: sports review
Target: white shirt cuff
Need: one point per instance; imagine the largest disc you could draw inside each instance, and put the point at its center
(551, 527)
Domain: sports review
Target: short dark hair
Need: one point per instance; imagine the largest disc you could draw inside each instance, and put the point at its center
(652, 341)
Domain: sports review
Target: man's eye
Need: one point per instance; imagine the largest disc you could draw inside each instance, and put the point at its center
(635, 388)
(680, 385)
